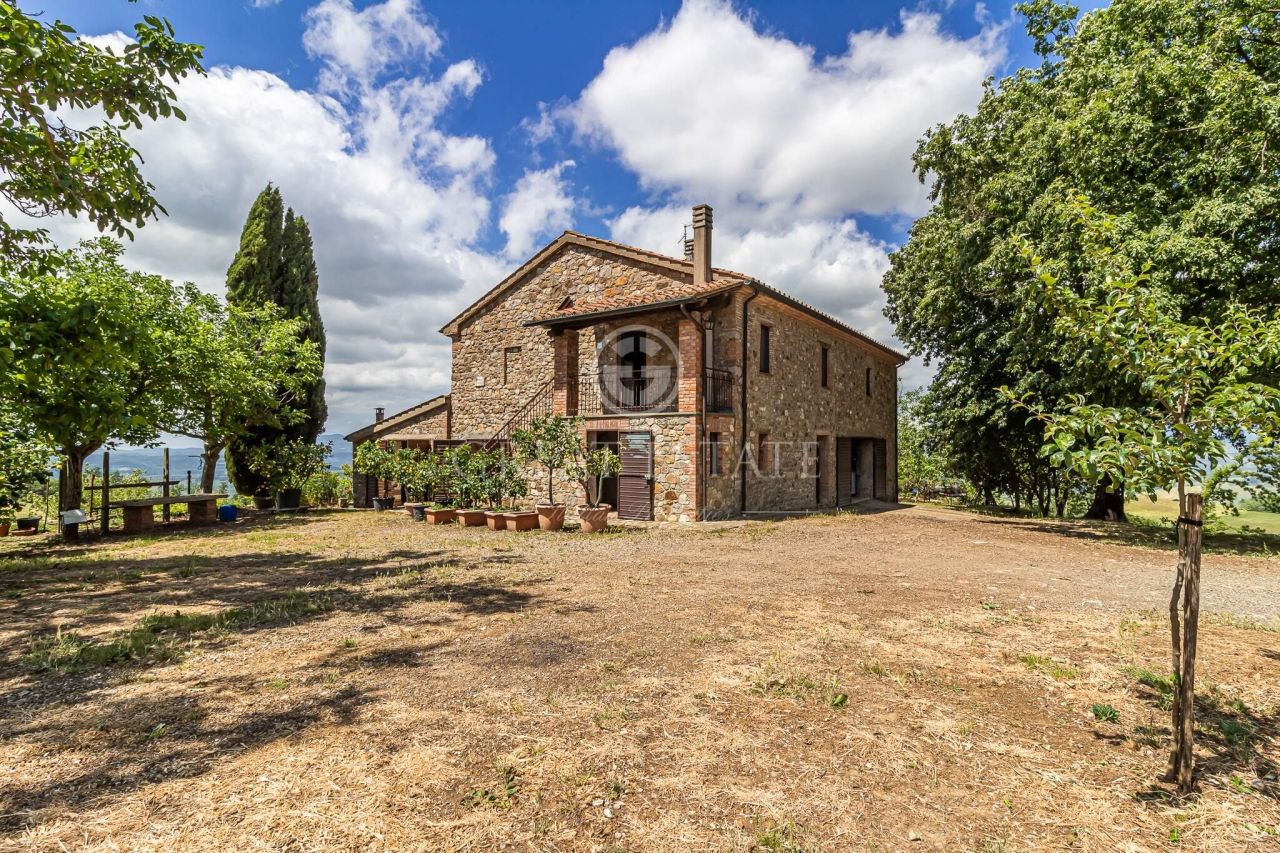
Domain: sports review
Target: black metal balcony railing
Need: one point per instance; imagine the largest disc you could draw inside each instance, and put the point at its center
(717, 389)
(651, 389)
(623, 390)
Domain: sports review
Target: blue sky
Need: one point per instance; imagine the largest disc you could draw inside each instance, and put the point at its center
(433, 146)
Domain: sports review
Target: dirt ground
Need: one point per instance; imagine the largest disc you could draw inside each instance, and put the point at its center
(914, 679)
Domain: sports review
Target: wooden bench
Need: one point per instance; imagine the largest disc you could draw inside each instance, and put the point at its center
(140, 514)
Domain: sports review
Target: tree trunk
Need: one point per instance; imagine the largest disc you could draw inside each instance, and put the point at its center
(71, 487)
(1107, 505)
(209, 465)
(1190, 535)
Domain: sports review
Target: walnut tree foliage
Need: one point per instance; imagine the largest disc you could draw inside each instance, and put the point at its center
(1166, 114)
(65, 106)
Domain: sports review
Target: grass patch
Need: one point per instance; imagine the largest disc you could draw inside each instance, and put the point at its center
(771, 681)
(1054, 669)
(781, 838)
(500, 796)
(1105, 713)
(160, 637)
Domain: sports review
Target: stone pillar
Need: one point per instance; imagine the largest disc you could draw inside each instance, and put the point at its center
(565, 383)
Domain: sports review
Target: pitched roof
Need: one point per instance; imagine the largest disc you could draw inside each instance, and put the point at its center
(398, 418)
(678, 265)
(675, 294)
(671, 295)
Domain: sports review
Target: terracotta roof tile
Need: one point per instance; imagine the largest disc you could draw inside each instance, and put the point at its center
(672, 293)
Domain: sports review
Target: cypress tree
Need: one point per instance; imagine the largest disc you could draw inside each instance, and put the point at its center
(298, 286)
(275, 264)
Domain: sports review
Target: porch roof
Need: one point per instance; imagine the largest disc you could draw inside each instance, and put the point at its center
(630, 303)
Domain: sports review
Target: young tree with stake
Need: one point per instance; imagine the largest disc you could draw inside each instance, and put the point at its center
(1203, 398)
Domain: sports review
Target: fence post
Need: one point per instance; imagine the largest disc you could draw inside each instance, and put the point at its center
(188, 481)
(164, 490)
(106, 492)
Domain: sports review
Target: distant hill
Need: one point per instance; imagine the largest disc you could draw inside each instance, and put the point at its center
(149, 460)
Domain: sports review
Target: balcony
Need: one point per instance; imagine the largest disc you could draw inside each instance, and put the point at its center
(649, 390)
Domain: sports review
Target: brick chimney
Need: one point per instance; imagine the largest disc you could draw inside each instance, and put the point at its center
(378, 414)
(702, 244)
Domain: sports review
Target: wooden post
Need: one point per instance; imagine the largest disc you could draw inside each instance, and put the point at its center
(164, 475)
(1184, 734)
(106, 492)
(188, 481)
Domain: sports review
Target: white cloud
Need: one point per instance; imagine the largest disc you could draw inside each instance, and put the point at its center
(792, 149)
(710, 106)
(396, 204)
(360, 44)
(540, 206)
(262, 4)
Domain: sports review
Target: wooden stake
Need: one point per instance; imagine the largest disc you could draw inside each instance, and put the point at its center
(1184, 736)
(164, 475)
(106, 492)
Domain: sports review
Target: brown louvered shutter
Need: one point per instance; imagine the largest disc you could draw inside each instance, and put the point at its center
(635, 480)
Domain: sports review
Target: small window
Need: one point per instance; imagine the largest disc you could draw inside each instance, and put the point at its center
(766, 333)
(762, 448)
(713, 454)
(510, 362)
(868, 381)
(825, 361)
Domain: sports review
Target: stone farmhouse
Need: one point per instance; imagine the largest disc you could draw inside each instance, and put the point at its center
(722, 395)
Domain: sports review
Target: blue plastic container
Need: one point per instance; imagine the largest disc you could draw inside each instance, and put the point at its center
(227, 512)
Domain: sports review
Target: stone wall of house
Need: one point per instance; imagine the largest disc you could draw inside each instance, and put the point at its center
(434, 423)
(482, 396)
(792, 407)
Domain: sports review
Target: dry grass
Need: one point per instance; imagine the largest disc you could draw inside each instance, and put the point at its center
(355, 681)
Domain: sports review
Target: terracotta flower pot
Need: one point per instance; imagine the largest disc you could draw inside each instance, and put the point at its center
(444, 515)
(4, 528)
(522, 520)
(550, 516)
(496, 519)
(594, 518)
(471, 517)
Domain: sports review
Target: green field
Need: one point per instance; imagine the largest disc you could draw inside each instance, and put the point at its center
(1167, 507)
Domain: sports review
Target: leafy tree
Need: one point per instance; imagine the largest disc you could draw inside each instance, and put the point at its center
(596, 464)
(288, 463)
(275, 265)
(238, 368)
(92, 354)
(1165, 113)
(47, 166)
(25, 462)
(552, 441)
(1208, 401)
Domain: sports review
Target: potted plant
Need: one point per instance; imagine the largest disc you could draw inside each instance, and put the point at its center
(596, 465)
(373, 459)
(470, 473)
(553, 442)
(505, 483)
(286, 465)
(6, 519)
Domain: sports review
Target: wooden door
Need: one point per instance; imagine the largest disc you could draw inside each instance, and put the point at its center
(844, 471)
(880, 469)
(635, 481)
